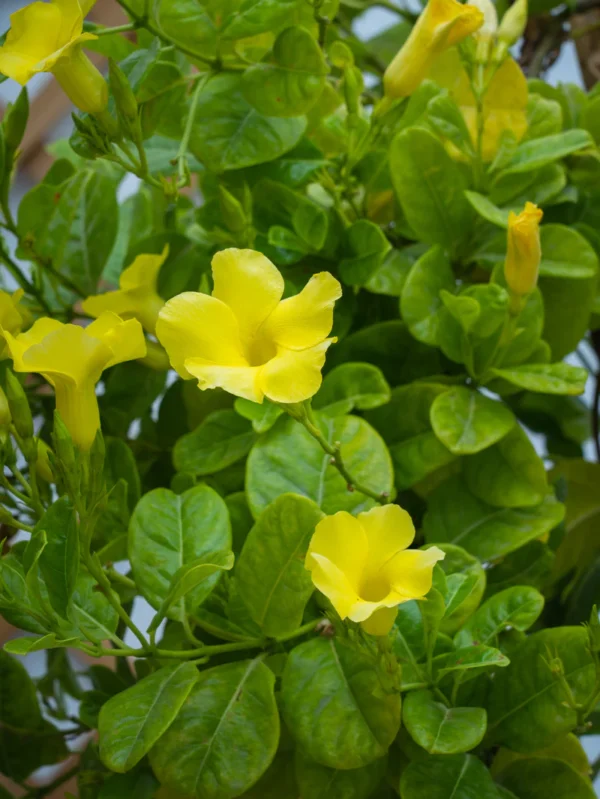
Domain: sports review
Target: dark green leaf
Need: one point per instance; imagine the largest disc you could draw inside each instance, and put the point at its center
(59, 561)
(319, 782)
(220, 440)
(420, 300)
(368, 246)
(450, 777)
(541, 777)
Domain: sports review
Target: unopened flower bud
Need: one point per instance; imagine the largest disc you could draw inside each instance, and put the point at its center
(19, 406)
(524, 251)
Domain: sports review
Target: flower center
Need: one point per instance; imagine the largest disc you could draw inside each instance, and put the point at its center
(260, 350)
(374, 588)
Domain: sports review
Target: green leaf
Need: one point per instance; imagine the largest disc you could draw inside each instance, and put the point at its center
(270, 572)
(555, 378)
(221, 439)
(168, 531)
(390, 277)
(335, 704)
(457, 516)
(544, 117)
(466, 421)
(349, 386)
(540, 777)
(408, 641)
(487, 210)
(252, 17)
(263, 417)
(319, 782)
(537, 153)
(420, 302)
(291, 79)
(132, 722)
(59, 561)
(447, 777)
(468, 658)
(368, 246)
(529, 565)
(272, 472)
(439, 729)
(229, 133)
(509, 474)
(27, 644)
(527, 710)
(432, 199)
(120, 464)
(229, 718)
(188, 578)
(517, 608)
(465, 586)
(90, 611)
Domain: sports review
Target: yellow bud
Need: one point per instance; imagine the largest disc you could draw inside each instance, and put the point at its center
(524, 252)
(513, 23)
(81, 82)
(443, 24)
(485, 35)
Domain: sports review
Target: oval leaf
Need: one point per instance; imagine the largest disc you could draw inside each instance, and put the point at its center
(451, 777)
(517, 607)
(223, 438)
(466, 422)
(439, 729)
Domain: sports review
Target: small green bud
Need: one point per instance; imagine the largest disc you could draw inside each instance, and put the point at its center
(63, 444)
(97, 456)
(5, 417)
(353, 87)
(42, 463)
(127, 105)
(15, 122)
(341, 55)
(19, 406)
(513, 23)
(231, 209)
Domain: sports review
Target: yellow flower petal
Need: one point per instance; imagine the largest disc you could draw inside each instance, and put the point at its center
(34, 35)
(124, 338)
(143, 271)
(410, 573)
(332, 582)
(37, 332)
(524, 251)
(294, 376)
(241, 381)
(78, 408)
(341, 539)
(306, 319)
(249, 284)
(380, 622)
(10, 317)
(71, 19)
(389, 530)
(195, 326)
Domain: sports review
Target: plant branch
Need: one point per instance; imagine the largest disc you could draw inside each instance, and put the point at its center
(181, 157)
(23, 282)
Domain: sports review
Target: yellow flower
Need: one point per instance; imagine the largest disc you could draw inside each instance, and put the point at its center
(244, 338)
(47, 37)
(524, 251)
(363, 566)
(72, 358)
(504, 103)
(12, 318)
(442, 24)
(137, 297)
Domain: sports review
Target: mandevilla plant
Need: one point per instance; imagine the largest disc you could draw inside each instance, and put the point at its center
(324, 327)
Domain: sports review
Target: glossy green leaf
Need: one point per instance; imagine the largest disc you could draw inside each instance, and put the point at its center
(336, 706)
(465, 586)
(439, 729)
(420, 301)
(168, 531)
(466, 421)
(529, 565)
(469, 658)
(487, 210)
(251, 17)
(526, 708)
(433, 200)
(555, 378)
(270, 572)
(537, 153)
(367, 246)
(90, 611)
(132, 722)
(516, 608)
(230, 134)
(540, 777)
(278, 781)
(450, 777)
(59, 561)
(291, 79)
(25, 645)
(349, 386)
(456, 515)
(263, 417)
(272, 472)
(320, 782)
(221, 439)
(509, 474)
(230, 717)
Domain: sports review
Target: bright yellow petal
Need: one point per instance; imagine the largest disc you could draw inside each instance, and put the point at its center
(36, 333)
(86, 6)
(141, 303)
(381, 622)
(332, 582)
(294, 376)
(306, 319)
(71, 19)
(241, 381)
(67, 353)
(10, 318)
(143, 271)
(410, 573)
(249, 284)
(389, 530)
(124, 338)
(78, 408)
(196, 326)
(341, 539)
(33, 36)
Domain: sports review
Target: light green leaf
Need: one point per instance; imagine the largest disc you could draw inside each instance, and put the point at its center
(90, 611)
(466, 421)
(263, 417)
(270, 572)
(131, 722)
(533, 154)
(487, 209)
(349, 386)
(468, 658)
(221, 439)
(541, 777)
(368, 246)
(554, 378)
(439, 729)
(27, 644)
(517, 608)
(420, 301)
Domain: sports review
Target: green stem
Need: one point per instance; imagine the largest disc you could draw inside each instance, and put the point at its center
(181, 157)
(130, 26)
(14, 491)
(23, 282)
(306, 628)
(117, 577)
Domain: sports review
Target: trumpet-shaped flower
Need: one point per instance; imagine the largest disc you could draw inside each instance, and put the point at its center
(137, 297)
(442, 24)
(524, 251)
(245, 338)
(72, 358)
(12, 318)
(47, 37)
(363, 566)
(504, 103)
